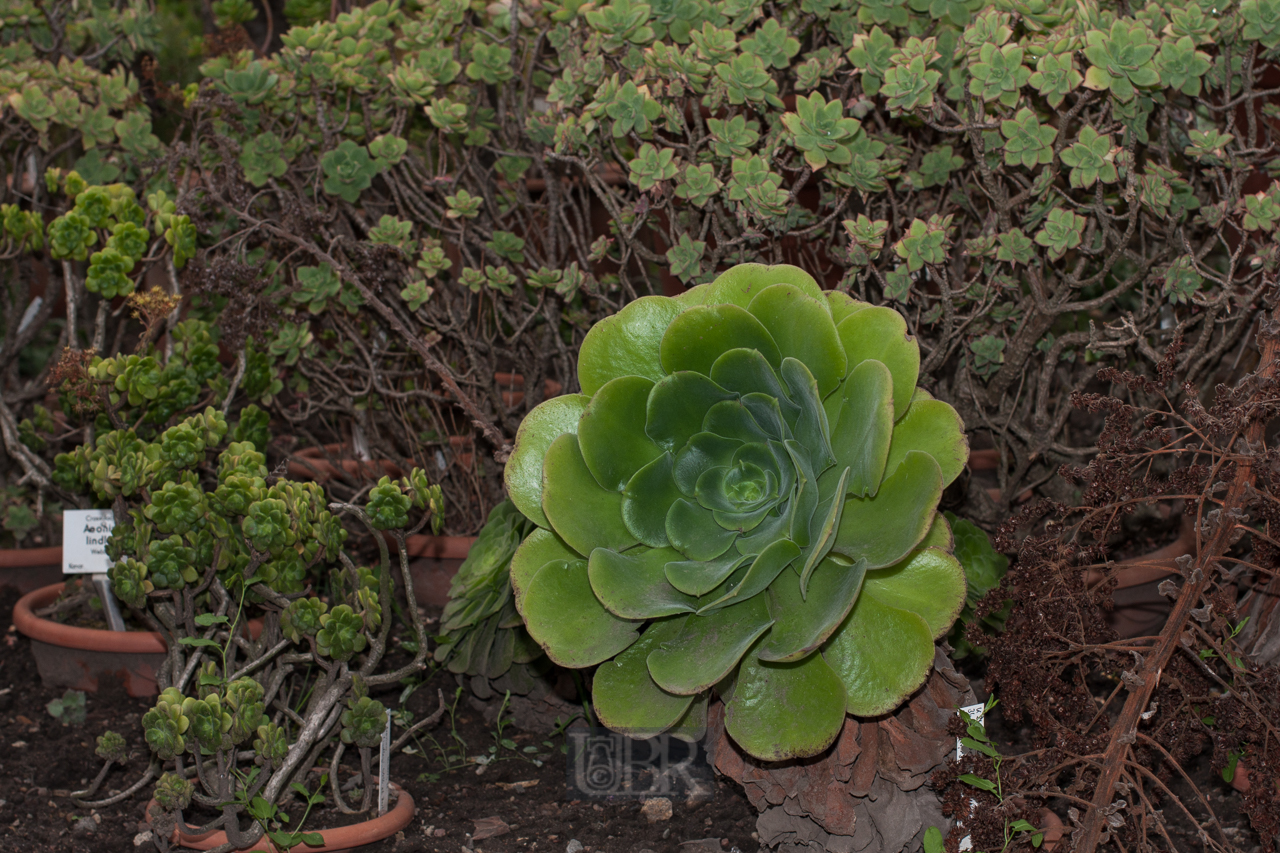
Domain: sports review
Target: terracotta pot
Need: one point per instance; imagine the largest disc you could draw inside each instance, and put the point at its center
(311, 463)
(70, 656)
(337, 840)
(73, 657)
(1140, 610)
(30, 568)
(434, 560)
(512, 385)
(984, 460)
(463, 449)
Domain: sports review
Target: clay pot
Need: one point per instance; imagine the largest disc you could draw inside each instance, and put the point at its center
(984, 460)
(512, 388)
(74, 657)
(1140, 610)
(30, 568)
(314, 463)
(351, 837)
(463, 447)
(434, 560)
(68, 656)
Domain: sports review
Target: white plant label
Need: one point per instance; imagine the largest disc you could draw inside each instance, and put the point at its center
(384, 767)
(84, 541)
(978, 713)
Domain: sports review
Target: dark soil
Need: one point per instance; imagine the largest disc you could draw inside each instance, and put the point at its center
(43, 760)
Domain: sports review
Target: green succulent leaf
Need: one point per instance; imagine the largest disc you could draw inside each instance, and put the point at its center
(564, 616)
(626, 698)
(781, 711)
(708, 648)
(883, 529)
(547, 422)
(932, 427)
(880, 654)
(635, 586)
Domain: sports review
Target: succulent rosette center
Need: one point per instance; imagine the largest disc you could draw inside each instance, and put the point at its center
(744, 497)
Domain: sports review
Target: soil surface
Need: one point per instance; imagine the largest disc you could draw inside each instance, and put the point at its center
(459, 802)
(518, 800)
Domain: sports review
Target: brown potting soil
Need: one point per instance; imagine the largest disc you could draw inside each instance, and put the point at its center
(509, 805)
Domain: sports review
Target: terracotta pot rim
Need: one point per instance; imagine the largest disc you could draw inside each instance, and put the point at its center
(22, 558)
(439, 547)
(72, 637)
(341, 838)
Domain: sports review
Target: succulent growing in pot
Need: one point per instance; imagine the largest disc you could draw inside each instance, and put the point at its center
(204, 539)
(226, 698)
(743, 497)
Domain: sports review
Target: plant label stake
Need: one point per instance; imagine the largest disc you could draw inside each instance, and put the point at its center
(84, 551)
(979, 714)
(384, 766)
(110, 606)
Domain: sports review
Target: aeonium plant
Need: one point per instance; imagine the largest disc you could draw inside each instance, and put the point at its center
(264, 679)
(250, 707)
(742, 499)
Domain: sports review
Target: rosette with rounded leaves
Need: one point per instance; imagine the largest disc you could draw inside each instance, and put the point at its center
(425, 496)
(129, 582)
(388, 507)
(744, 495)
(210, 425)
(286, 573)
(241, 458)
(210, 723)
(363, 722)
(254, 427)
(164, 725)
(272, 744)
(171, 563)
(173, 792)
(177, 508)
(108, 274)
(120, 464)
(70, 236)
(348, 170)
(236, 493)
(341, 634)
(244, 701)
(302, 618)
(111, 747)
(182, 446)
(266, 525)
(1121, 59)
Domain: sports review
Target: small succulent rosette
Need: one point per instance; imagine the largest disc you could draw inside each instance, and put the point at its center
(743, 497)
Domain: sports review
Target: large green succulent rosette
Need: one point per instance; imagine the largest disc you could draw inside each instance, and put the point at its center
(743, 497)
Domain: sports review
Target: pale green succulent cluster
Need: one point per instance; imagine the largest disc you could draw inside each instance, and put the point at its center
(743, 498)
